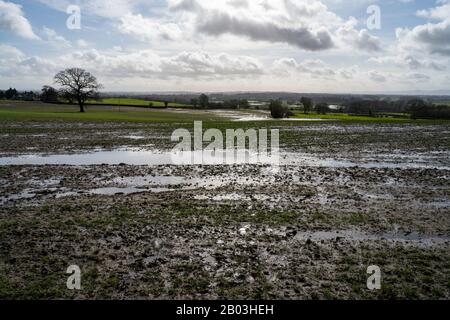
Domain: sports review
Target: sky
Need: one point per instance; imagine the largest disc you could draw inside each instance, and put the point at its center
(327, 46)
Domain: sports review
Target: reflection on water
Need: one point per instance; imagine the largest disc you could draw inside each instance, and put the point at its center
(94, 158)
(248, 116)
(232, 157)
(139, 157)
(356, 235)
(126, 190)
(130, 185)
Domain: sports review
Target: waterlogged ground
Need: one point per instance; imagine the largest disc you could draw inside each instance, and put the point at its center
(346, 196)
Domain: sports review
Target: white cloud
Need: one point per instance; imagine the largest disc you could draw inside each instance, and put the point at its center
(195, 44)
(10, 52)
(305, 24)
(82, 43)
(438, 13)
(148, 29)
(195, 64)
(417, 77)
(118, 68)
(376, 76)
(221, 23)
(35, 66)
(361, 39)
(313, 67)
(148, 64)
(14, 63)
(432, 37)
(54, 39)
(10, 57)
(12, 20)
(409, 61)
(346, 74)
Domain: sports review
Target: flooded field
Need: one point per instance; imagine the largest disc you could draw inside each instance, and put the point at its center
(108, 197)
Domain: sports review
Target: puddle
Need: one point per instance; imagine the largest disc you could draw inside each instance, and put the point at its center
(138, 156)
(42, 135)
(355, 235)
(233, 197)
(115, 157)
(258, 116)
(444, 204)
(252, 118)
(308, 119)
(143, 181)
(142, 157)
(412, 162)
(155, 184)
(242, 116)
(25, 194)
(128, 190)
(139, 184)
(36, 187)
(133, 137)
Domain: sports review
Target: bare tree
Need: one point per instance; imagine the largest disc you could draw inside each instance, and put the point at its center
(307, 104)
(78, 84)
(203, 101)
(49, 94)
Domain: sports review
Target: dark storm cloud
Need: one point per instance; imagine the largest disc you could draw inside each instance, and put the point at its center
(217, 23)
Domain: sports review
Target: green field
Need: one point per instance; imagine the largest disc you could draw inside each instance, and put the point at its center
(24, 110)
(133, 102)
(41, 111)
(346, 117)
(447, 103)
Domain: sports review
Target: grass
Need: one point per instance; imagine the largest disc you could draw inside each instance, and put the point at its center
(35, 111)
(41, 111)
(440, 103)
(133, 102)
(352, 118)
(347, 117)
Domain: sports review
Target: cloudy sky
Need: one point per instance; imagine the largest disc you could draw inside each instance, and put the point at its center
(230, 45)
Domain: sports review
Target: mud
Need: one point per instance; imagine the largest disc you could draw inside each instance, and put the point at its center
(344, 198)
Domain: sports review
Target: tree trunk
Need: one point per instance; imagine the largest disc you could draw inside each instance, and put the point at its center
(81, 106)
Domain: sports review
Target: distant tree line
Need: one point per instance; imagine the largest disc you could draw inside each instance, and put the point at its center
(416, 108)
(369, 107)
(419, 109)
(49, 94)
(307, 104)
(13, 94)
(9, 94)
(204, 102)
(278, 110)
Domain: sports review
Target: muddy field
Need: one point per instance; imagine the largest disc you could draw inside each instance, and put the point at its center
(346, 196)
